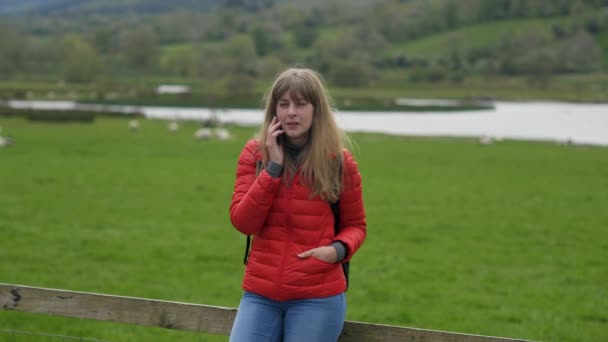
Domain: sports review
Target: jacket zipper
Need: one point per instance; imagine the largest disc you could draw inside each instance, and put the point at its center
(284, 255)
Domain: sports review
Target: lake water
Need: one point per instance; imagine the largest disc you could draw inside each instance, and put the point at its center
(552, 121)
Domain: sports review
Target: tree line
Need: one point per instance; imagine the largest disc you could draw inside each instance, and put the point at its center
(352, 43)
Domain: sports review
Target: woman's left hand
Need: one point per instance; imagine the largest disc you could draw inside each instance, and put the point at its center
(325, 253)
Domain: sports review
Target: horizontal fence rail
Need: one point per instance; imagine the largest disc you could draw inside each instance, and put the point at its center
(191, 317)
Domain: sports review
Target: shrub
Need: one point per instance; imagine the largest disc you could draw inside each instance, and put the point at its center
(60, 116)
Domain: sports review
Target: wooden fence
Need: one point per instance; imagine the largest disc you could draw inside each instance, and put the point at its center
(192, 317)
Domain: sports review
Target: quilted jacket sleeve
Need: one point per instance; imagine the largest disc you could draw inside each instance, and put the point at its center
(353, 226)
(252, 196)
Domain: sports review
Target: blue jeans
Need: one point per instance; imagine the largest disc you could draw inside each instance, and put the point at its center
(309, 320)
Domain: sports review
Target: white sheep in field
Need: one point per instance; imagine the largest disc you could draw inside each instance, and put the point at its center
(173, 126)
(202, 134)
(222, 134)
(4, 142)
(133, 125)
(486, 140)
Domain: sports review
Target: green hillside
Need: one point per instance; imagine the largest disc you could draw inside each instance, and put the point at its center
(486, 35)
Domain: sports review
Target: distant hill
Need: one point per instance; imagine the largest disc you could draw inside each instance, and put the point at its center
(23, 6)
(233, 44)
(44, 7)
(480, 36)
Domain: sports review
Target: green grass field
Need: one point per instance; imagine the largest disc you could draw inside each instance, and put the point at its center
(505, 240)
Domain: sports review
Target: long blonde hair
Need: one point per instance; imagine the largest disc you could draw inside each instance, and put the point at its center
(321, 158)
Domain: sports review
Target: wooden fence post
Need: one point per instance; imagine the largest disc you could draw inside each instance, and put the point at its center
(192, 317)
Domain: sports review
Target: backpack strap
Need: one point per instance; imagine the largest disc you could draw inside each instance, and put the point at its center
(258, 169)
(335, 208)
(247, 249)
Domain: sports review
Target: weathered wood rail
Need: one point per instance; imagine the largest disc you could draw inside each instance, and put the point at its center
(191, 317)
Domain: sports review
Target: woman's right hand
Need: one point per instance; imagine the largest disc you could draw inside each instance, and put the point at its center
(275, 151)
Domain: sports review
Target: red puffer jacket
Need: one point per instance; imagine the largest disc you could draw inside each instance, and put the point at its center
(285, 221)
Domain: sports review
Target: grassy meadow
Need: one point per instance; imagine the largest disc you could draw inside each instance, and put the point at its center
(506, 240)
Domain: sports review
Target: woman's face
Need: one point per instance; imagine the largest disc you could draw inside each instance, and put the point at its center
(295, 115)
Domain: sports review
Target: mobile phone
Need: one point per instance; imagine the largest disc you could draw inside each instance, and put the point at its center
(280, 136)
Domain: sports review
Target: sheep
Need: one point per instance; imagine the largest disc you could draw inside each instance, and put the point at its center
(486, 140)
(173, 126)
(5, 142)
(222, 134)
(202, 134)
(133, 125)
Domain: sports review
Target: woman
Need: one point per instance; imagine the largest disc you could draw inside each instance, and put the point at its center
(285, 181)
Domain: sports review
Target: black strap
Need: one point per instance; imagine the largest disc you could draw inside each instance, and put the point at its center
(258, 169)
(335, 208)
(247, 249)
